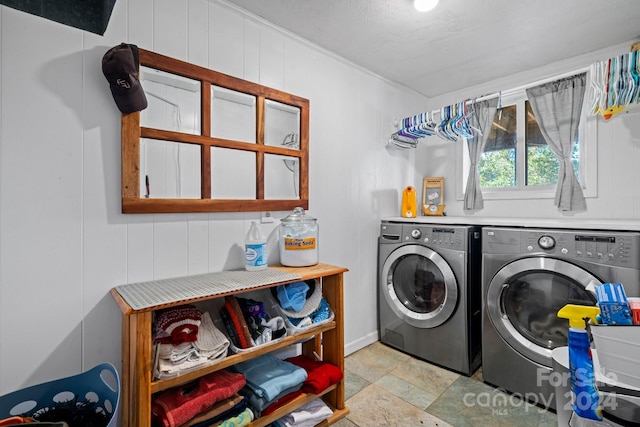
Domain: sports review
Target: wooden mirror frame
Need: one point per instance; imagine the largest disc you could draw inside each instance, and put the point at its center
(132, 202)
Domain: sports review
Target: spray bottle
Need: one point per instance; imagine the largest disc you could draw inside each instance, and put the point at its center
(584, 394)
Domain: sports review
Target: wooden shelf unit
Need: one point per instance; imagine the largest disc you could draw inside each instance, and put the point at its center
(327, 340)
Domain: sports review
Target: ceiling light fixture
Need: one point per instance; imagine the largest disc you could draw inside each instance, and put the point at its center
(424, 5)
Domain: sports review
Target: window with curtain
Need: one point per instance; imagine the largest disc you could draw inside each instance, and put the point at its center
(517, 162)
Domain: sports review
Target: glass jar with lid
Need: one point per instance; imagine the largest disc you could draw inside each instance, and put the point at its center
(298, 239)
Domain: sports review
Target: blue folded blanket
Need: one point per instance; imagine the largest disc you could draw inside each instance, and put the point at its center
(268, 376)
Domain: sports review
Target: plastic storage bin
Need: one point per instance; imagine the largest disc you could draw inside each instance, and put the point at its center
(618, 348)
(269, 307)
(100, 384)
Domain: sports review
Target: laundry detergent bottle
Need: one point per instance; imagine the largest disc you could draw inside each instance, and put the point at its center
(409, 203)
(585, 398)
(255, 249)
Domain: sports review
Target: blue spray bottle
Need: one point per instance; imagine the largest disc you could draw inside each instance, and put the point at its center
(584, 393)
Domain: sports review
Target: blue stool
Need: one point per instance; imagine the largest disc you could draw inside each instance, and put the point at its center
(100, 385)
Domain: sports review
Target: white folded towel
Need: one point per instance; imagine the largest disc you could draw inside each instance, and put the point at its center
(211, 341)
(308, 415)
(211, 346)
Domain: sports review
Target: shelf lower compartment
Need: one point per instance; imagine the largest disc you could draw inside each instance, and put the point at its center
(298, 402)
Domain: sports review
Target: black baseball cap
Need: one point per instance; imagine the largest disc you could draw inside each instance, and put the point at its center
(120, 66)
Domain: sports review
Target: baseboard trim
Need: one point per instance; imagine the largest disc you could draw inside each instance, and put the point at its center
(360, 343)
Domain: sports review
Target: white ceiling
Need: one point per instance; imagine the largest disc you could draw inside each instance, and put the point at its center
(460, 43)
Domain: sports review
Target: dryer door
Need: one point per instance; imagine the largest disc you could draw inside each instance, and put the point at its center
(524, 297)
(419, 286)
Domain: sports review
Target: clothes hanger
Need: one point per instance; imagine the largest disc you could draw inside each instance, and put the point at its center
(595, 91)
(465, 128)
(440, 127)
(634, 70)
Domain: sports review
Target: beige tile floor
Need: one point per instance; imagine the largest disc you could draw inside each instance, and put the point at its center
(387, 388)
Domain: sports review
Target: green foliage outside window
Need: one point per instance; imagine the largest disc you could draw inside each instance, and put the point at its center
(497, 169)
(498, 166)
(542, 166)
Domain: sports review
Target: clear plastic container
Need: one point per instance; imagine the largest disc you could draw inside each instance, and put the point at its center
(298, 240)
(255, 249)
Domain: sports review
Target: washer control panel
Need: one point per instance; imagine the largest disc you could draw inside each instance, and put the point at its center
(613, 248)
(597, 246)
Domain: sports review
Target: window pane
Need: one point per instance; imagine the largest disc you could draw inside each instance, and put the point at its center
(497, 164)
(541, 164)
(169, 169)
(281, 177)
(233, 174)
(282, 124)
(174, 101)
(233, 115)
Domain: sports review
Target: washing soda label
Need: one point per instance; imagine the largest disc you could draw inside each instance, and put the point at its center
(293, 244)
(255, 254)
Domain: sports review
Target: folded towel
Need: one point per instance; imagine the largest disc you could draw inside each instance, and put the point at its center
(320, 374)
(176, 406)
(167, 369)
(241, 420)
(293, 295)
(211, 342)
(268, 376)
(219, 411)
(278, 403)
(259, 403)
(211, 346)
(175, 353)
(308, 415)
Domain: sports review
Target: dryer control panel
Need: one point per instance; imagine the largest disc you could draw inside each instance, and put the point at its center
(451, 237)
(445, 237)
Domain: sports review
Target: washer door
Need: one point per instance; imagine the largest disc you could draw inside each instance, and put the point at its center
(419, 286)
(524, 297)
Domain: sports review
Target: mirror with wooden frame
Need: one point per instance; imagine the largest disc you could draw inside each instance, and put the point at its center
(210, 142)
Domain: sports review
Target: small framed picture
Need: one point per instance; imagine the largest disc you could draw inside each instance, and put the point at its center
(433, 196)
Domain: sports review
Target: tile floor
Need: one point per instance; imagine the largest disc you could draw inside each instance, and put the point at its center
(388, 388)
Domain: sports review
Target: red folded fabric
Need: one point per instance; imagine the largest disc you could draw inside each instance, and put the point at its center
(280, 402)
(176, 406)
(320, 375)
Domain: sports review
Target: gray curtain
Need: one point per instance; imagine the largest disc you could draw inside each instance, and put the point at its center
(481, 118)
(557, 107)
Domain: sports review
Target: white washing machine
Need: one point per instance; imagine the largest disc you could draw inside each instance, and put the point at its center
(527, 276)
(429, 301)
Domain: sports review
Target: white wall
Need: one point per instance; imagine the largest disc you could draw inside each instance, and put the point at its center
(618, 155)
(63, 241)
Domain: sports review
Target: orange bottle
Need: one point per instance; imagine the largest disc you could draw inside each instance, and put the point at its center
(409, 203)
